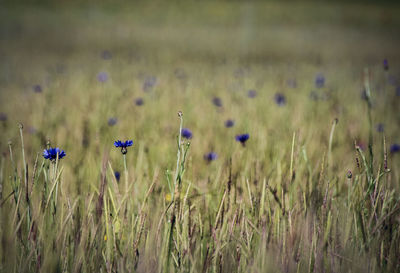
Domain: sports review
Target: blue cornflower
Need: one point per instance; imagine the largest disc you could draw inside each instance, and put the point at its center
(385, 65)
(149, 83)
(123, 145)
(380, 127)
(139, 101)
(102, 77)
(117, 175)
(112, 121)
(280, 99)
(242, 138)
(186, 133)
(395, 148)
(252, 93)
(106, 55)
(217, 101)
(229, 123)
(3, 117)
(37, 88)
(210, 156)
(52, 153)
(319, 81)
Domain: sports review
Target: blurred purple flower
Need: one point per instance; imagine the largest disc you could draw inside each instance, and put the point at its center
(398, 91)
(117, 175)
(319, 81)
(252, 93)
(149, 83)
(385, 65)
(106, 55)
(242, 138)
(380, 127)
(139, 101)
(37, 88)
(217, 101)
(112, 121)
(3, 116)
(229, 123)
(210, 156)
(395, 148)
(186, 133)
(102, 77)
(280, 99)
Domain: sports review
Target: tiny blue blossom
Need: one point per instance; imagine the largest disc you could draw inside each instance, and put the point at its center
(139, 101)
(229, 123)
(123, 145)
(112, 121)
(117, 175)
(242, 138)
(385, 65)
(380, 127)
(106, 55)
(52, 153)
(102, 77)
(3, 117)
(319, 81)
(186, 133)
(37, 88)
(395, 148)
(149, 83)
(252, 93)
(217, 101)
(280, 99)
(210, 156)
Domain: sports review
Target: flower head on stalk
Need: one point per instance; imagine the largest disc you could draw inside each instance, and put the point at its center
(123, 145)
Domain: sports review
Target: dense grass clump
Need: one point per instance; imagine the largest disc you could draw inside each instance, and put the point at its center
(129, 144)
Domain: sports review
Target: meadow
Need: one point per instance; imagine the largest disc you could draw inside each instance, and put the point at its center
(265, 137)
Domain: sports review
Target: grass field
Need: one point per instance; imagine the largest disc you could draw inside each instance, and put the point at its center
(315, 188)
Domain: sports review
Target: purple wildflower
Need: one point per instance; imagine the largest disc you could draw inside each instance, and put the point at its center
(112, 121)
(52, 153)
(186, 133)
(252, 93)
(380, 127)
(117, 175)
(210, 156)
(139, 101)
(385, 65)
(37, 88)
(229, 123)
(319, 81)
(106, 55)
(149, 83)
(242, 138)
(102, 77)
(217, 101)
(395, 148)
(280, 99)
(123, 145)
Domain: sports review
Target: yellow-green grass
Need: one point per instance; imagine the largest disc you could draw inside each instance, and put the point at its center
(284, 202)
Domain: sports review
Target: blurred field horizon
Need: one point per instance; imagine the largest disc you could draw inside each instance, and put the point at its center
(315, 85)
